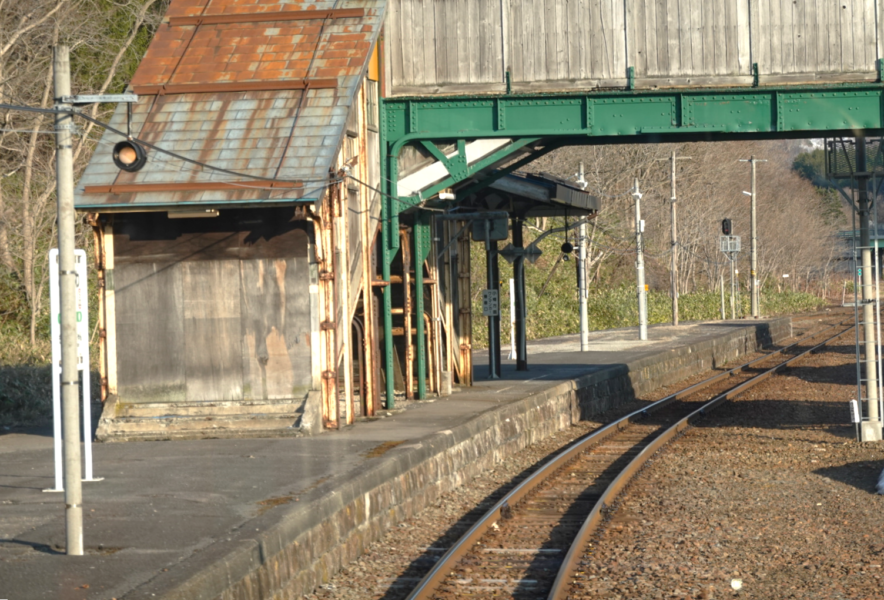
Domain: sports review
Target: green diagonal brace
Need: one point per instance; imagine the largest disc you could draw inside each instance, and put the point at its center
(474, 168)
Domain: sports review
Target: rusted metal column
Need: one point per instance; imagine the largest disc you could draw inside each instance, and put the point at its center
(323, 232)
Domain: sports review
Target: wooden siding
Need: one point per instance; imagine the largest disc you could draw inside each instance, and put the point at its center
(212, 309)
(451, 46)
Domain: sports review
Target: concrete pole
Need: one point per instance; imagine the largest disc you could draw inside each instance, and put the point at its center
(70, 383)
(640, 266)
(733, 295)
(753, 269)
(674, 235)
(871, 429)
(581, 280)
(721, 281)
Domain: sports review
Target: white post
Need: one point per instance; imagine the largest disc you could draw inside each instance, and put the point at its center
(581, 277)
(513, 355)
(640, 266)
(73, 486)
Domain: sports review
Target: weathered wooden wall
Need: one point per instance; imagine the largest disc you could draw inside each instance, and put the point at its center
(450, 46)
(212, 309)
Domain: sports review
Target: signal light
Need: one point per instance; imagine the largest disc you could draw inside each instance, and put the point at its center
(726, 227)
(129, 156)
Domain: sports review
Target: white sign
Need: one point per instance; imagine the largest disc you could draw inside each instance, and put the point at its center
(82, 300)
(854, 411)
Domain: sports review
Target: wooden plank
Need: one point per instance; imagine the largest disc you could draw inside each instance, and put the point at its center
(439, 18)
(574, 41)
(635, 34)
(408, 28)
(506, 41)
(618, 38)
(212, 330)
(596, 37)
(547, 41)
(529, 34)
(110, 318)
(673, 37)
(803, 40)
(837, 29)
(561, 67)
(464, 28)
(268, 371)
(719, 16)
(661, 35)
(699, 56)
(744, 36)
(850, 32)
(787, 29)
(393, 44)
(425, 63)
(584, 28)
(869, 53)
(150, 338)
(450, 27)
(517, 46)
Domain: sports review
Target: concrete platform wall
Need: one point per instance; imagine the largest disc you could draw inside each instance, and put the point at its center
(288, 557)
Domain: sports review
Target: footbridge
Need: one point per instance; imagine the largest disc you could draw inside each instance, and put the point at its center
(327, 162)
(473, 90)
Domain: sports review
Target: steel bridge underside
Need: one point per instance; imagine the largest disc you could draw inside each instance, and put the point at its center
(534, 125)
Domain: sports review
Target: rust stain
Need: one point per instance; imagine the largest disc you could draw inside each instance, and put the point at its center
(382, 449)
(265, 505)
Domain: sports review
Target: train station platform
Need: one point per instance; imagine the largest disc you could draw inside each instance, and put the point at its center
(247, 518)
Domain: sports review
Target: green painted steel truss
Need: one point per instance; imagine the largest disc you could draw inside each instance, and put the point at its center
(592, 118)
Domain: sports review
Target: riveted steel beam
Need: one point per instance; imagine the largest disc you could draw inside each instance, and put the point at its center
(752, 113)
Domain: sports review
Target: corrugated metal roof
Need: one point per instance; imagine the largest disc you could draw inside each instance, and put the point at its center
(287, 134)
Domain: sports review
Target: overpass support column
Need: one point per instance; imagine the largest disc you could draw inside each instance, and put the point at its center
(521, 315)
(421, 251)
(492, 273)
(871, 429)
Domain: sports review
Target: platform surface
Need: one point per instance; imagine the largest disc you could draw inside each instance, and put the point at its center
(161, 503)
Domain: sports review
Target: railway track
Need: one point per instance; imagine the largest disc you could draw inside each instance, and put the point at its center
(530, 543)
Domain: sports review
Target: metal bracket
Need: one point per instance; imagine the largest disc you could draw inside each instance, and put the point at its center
(456, 165)
(755, 79)
(879, 64)
(630, 78)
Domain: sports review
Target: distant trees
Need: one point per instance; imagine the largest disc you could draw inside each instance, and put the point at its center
(107, 41)
(796, 220)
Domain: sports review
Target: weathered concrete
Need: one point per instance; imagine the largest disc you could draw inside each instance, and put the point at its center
(279, 526)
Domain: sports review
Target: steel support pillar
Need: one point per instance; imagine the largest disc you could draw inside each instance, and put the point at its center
(521, 313)
(492, 273)
(421, 250)
(389, 246)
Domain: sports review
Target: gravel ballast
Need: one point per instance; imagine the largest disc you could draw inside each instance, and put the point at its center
(771, 495)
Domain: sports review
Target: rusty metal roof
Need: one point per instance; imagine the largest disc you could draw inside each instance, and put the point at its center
(258, 87)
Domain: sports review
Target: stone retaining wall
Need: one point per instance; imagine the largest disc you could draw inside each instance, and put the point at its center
(285, 558)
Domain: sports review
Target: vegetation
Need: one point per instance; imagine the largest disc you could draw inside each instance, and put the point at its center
(796, 224)
(107, 40)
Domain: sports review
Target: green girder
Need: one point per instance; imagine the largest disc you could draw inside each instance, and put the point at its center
(590, 118)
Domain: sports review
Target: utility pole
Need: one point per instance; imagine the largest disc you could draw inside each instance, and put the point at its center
(753, 269)
(640, 266)
(733, 299)
(871, 429)
(70, 382)
(673, 265)
(581, 273)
